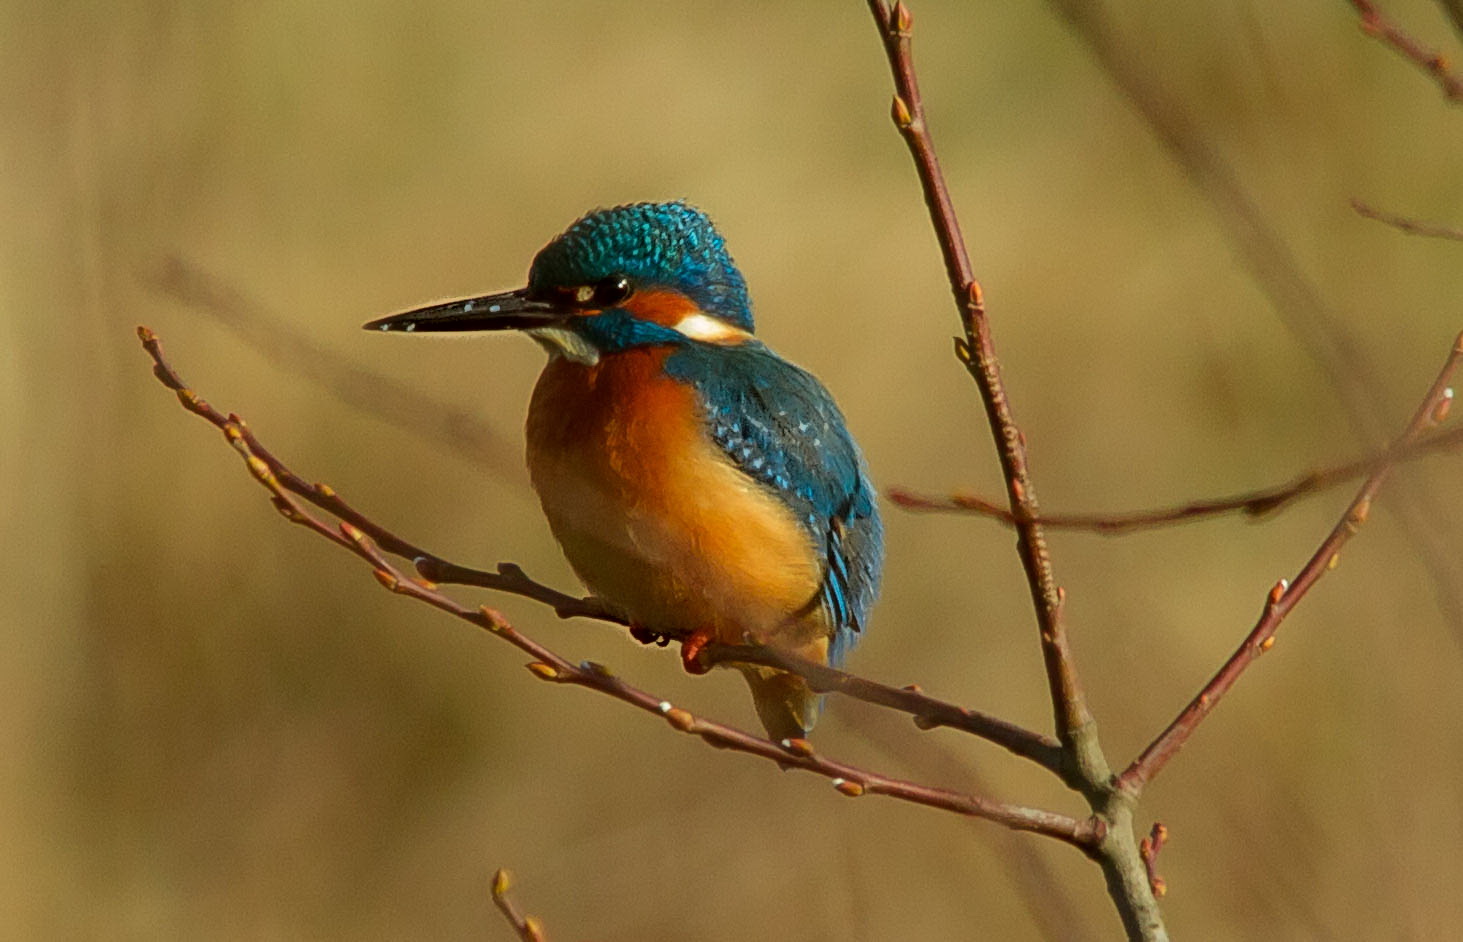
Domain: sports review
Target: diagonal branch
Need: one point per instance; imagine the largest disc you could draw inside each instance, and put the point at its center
(281, 341)
(1256, 503)
(1287, 594)
(547, 665)
(928, 711)
(1373, 23)
(977, 352)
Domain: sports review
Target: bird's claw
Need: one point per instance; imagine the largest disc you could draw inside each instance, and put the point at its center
(691, 649)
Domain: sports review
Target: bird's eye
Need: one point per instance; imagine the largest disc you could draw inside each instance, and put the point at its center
(611, 291)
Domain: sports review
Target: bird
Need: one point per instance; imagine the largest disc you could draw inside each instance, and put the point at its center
(699, 485)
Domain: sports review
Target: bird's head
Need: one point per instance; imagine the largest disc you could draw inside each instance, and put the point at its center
(631, 276)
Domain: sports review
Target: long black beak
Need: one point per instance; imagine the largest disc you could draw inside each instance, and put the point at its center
(511, 310)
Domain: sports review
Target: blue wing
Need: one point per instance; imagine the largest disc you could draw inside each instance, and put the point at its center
(778, 424)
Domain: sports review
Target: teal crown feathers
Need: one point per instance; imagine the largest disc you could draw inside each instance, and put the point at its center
(657, 245)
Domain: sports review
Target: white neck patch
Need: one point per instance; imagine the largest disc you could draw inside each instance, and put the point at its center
(709, 329)
(565, 343)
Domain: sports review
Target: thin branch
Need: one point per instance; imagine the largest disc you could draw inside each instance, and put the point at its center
(509, 577)
(1373, 23)
(529, 928)
(1117, 852)
(1256, 503)
(1408, 225)
(547, 665)
(928, 711)
(1287, 593)
(977, 352)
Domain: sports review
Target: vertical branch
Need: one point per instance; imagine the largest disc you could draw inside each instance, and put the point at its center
(1087, 769)
(977, 352)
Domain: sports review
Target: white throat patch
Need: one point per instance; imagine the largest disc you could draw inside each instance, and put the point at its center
(565, 343)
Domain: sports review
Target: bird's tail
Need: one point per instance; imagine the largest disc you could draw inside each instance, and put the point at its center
(786, 705)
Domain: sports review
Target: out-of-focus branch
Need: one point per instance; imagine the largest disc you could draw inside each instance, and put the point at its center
(547, 665)
(1287, 593)
(1249, 503)
(529, 928)
(1408, 225)
(1374, 23)
(281, 341)
(1257, 241)
(1454, 9)
(977, 352)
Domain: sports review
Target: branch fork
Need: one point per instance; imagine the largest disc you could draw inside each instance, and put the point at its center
(1073, 753)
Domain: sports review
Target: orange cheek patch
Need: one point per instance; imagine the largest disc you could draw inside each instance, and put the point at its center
(667, 308)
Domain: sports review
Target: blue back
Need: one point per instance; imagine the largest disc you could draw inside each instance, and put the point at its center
(778, 424)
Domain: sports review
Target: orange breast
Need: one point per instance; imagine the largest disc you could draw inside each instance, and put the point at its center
(653, 516)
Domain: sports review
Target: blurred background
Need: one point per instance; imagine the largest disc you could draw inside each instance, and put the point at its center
(217, 726)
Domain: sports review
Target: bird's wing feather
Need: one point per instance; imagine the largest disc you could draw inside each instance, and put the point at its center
(779, 426)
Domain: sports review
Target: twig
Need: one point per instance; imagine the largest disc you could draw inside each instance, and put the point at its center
(1287, 593)
(1149, 848)
(977, 352)
(509, 577)
(1408, 225)
(849, 780)
(928, 711)
(529, 928)
(1250, 503)
(1373, 23)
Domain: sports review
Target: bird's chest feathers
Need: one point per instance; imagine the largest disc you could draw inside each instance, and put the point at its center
(613, 427)
(650, 512)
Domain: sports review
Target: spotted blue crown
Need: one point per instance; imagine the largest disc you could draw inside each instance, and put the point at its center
(666, 245)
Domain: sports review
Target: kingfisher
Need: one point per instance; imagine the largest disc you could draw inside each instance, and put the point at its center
(699, 484)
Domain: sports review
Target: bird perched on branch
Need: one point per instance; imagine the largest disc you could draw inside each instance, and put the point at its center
(697, 482)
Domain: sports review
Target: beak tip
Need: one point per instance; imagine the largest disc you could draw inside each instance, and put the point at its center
(385, 325)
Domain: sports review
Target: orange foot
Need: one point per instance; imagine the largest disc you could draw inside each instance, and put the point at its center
(691, 650)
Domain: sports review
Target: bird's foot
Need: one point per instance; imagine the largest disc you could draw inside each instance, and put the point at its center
(648, 636)
(691, 650)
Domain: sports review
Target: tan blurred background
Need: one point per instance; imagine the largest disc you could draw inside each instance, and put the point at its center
(216, 726)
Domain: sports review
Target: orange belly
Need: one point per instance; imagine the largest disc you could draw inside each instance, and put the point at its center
(655, 519)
